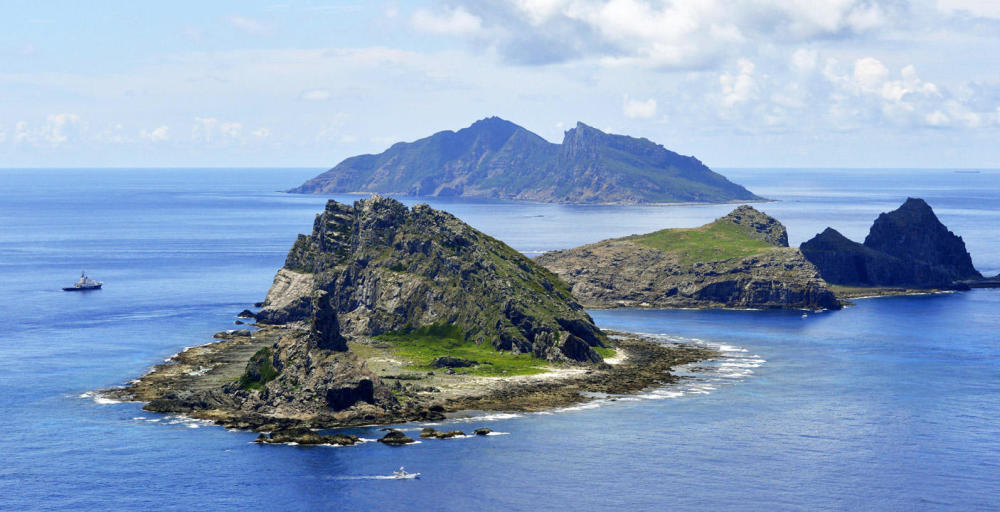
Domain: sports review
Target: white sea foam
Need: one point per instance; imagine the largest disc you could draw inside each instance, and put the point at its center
(489, 417)
(98, 398)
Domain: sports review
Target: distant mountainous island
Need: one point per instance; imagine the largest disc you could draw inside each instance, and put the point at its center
(498, 159)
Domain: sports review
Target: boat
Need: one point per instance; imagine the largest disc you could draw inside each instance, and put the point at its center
(85, 283)
(403, 474)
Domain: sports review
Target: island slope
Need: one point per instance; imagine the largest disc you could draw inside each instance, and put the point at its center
(738, 261)
(495, 158)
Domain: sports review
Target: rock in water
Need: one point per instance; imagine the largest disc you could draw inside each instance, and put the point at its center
(395, 438)
(913, 232)
(740, 260)
(908, 247)
(380, 267)
(498, 159)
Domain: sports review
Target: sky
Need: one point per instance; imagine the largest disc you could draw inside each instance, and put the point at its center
(736, 83)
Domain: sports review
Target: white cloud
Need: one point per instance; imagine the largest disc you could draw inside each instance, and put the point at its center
(674, 34)
(316, 95)
(262, 133)
(937, 118)
(739, 87)
(230, 129)
(455, 21)
(804, 60)
(633, 108)
(21, 133)
(250, 25)
(158, 134)
(870, 74)
(56, 127)
(210, 129)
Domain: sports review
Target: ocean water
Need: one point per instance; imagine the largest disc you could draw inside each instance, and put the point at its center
(888, 405)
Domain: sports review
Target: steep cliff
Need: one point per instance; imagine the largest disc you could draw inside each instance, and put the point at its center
(908, 247)
(380, 267)
(495, 158)
(738, 261)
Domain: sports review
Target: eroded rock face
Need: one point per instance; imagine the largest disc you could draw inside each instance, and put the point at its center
(908, 247)
(380, 266)
(621, 272)
(289, 299)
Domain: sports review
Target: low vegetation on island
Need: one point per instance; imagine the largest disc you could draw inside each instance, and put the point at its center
(741, 260)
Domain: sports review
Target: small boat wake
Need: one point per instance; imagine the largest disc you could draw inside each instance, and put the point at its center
(402, 474)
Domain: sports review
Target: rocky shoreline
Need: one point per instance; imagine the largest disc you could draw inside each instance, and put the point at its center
(177, 386)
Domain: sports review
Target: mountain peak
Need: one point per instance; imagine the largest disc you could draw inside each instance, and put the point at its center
(495, 158)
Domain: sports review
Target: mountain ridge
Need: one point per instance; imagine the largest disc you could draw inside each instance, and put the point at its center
(495, 158)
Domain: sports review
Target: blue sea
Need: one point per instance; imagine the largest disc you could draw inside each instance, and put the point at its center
(892, 404)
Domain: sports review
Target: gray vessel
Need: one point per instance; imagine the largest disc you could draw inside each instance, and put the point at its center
(85, 283)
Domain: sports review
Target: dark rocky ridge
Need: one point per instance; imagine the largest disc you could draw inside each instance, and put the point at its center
(621, 272)
(495, 158)
(908, 247)
(379, 267)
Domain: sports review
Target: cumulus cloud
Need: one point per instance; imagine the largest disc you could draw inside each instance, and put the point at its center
(262, 133)
(738, 87)
(158, 134)
(633, 108)
(450, 21)
(210, 129)
(666, 35)
(56, 127)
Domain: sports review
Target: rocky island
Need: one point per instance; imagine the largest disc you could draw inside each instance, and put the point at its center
(498, 159)
(385, 314)
(907, 248)
(741, 260)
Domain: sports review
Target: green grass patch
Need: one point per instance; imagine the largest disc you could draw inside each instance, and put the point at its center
(606, 352)
(717, 241)
(259, 371)
(423, 345)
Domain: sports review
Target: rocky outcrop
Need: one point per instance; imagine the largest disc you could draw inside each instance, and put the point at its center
(913, 233)
(495, 158)
(305, 436)
(289, 299)
(908, 247)
(434, 433)
(380, 267)
(395, 438)
(659, 271)
(758, 225)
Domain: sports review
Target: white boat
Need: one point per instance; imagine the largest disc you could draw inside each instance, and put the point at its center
(85, 283)
(403, 474)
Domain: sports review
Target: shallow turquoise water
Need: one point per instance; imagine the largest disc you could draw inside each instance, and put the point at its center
(889, 405)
